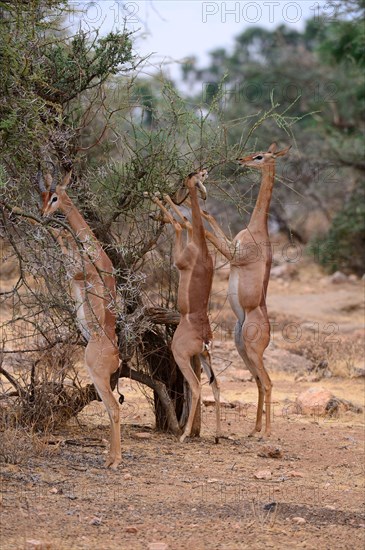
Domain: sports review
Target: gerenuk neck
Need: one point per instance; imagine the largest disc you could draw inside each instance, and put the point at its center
(76, 221)
(260, 213)
(197, 222)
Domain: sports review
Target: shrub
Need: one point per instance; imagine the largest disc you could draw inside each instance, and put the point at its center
(342, 248)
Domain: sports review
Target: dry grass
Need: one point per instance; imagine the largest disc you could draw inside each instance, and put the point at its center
(341, 357)
(43, 391)
(19, 444)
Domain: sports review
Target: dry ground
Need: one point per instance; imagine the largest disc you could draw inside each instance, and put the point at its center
(205, 496)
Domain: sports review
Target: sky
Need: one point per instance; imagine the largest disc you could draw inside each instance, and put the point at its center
(174, 30)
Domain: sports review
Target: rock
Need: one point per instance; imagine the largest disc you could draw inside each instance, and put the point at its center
(353, 278)
(131, 529)
(158, 546)
(127, 476)
(270, 452)
(358, 373)
(237, 403)
(263, 474)
(277, 271)
(271, 506)
(299, 520)
(321, 402)
(314, 401)
(209, 402)
(95, 521)
(143, 435)
(338, 278)
(32, 544)
(284, 271)
(294, 473)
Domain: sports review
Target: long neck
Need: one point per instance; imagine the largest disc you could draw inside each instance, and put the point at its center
(96, 257)
(75, 219)
(84, 233)
(261, 211)
(197, 222)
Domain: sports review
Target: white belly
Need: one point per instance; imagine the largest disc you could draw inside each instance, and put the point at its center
(233, 295)
(80, 311)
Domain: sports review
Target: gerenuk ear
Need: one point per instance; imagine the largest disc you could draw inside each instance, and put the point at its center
(272, 148)
(40, 180)
(49, 182)
(66, 180)
(283, 152)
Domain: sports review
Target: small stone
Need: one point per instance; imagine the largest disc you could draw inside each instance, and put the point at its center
(358, 373)
(271, 506)
(263, 474)
(131, 529)
(54, 491)
(295, 474)
(32, 544)
(212, 480)
(143, 435)
(127, 476)
(353, 278)
(284, 271)
(338, 278)
(299, 521)
(329, 507)
(158, 546)
(208, 402)
(95, 521)
(270, 452)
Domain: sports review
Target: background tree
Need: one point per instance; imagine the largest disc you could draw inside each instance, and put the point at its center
(329, 164)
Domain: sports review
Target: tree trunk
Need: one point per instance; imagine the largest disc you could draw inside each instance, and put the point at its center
(157, 354)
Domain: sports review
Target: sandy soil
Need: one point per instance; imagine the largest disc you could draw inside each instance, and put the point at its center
(200, 495)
